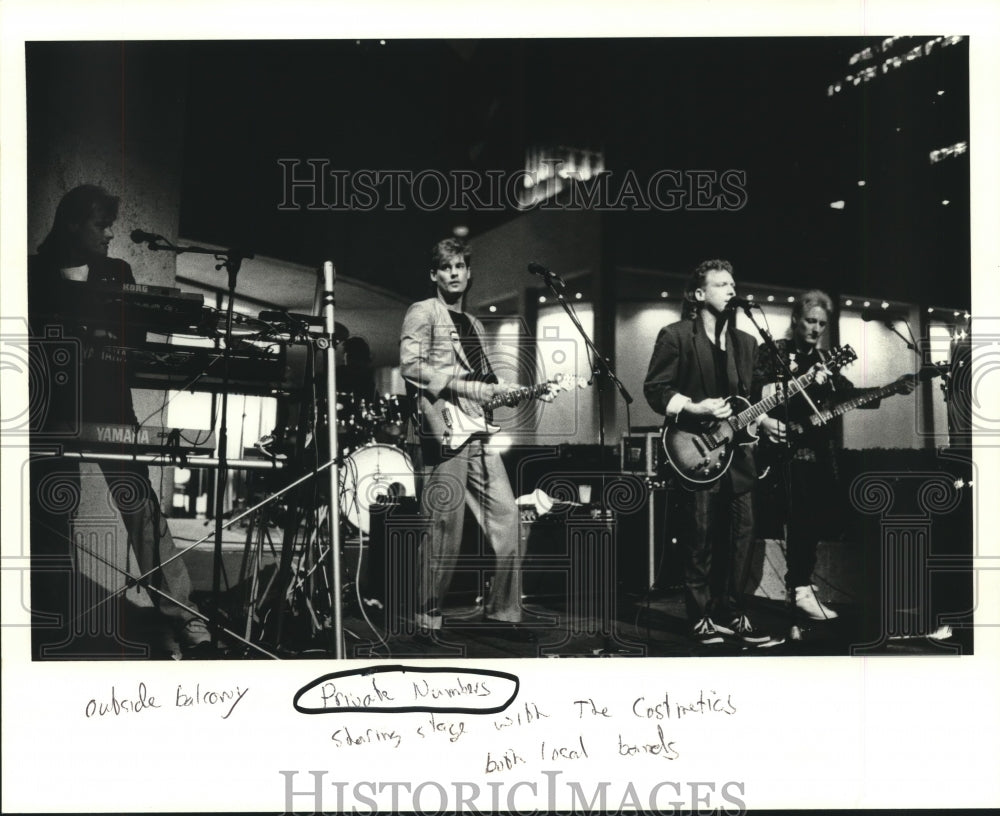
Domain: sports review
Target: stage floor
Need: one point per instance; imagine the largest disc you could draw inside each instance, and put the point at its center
(605, 625)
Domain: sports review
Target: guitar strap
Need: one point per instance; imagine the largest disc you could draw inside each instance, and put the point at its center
(737, 354)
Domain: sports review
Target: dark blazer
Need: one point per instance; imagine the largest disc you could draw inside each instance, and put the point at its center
(682, 363)
(99, 390)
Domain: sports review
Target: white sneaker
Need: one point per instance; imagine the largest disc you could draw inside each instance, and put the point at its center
(805, 601)
(941, 633)
(707, 633)
(194, 633)
(745, 631)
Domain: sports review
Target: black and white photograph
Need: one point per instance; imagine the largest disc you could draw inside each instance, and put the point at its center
(445, 367)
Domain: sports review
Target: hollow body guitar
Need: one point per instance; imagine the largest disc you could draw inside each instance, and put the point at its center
(700, 451)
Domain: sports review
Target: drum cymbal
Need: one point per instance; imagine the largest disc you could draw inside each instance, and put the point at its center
(213, 324)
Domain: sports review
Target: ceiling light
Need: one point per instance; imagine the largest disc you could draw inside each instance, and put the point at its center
(837, 205)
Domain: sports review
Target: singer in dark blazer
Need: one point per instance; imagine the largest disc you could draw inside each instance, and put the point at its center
(683, 365)
(696, 364)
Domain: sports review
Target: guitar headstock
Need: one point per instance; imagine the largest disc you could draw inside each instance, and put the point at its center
(565, 382)
(840, 356)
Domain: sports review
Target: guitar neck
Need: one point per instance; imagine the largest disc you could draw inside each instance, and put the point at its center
(514, 397)
(754, 412)
(863, 399)
(869, 396)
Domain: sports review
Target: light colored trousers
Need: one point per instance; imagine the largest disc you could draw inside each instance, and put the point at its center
(476, 478)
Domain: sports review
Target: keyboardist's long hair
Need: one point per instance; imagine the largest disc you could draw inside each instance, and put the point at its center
(75, 208)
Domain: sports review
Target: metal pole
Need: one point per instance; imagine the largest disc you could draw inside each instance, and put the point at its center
(333, 516)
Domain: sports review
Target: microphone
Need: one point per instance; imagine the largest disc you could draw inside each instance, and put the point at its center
(548, 274)
(141, 237)
(739, 303)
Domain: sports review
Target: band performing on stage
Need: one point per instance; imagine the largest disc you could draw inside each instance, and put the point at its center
(407, 523)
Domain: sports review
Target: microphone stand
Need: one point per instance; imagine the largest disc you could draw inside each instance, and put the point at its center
(909, 343)
(786, 372)
(231, 259)
(600, 368)
(327, 303)
(327, 343)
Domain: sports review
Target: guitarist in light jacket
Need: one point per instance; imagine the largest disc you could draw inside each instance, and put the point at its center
(443, 361)
(696, 363)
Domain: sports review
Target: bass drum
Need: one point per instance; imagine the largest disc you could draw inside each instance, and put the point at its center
(373, 475)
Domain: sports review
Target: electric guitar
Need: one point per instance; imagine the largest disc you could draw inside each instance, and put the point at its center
(700, 451)
(770, 453)
(452, 427)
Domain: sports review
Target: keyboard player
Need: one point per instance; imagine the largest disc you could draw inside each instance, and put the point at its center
(76, 249)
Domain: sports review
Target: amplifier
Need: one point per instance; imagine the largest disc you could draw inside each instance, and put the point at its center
(642, 452)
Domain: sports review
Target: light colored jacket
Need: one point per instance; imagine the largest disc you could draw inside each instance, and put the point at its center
(431, 357)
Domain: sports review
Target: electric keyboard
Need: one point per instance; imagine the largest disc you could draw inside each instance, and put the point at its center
(108, 436)
(137, 306)
(252, 369)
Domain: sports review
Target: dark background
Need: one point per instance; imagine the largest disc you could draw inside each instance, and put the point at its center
(758, 105)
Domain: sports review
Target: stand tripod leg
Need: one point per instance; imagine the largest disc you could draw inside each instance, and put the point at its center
(255, 598)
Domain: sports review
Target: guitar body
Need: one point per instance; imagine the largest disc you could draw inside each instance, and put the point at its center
(452, 427)
(700, 451)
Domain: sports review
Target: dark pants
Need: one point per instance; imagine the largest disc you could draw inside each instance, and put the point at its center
(714, 550)
(811, 494)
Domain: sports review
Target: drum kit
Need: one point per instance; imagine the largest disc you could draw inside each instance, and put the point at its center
(376, 470)
(297, 601)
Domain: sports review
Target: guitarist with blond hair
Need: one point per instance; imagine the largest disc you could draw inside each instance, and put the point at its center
(809, 467)
(449, 378)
